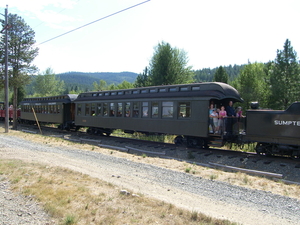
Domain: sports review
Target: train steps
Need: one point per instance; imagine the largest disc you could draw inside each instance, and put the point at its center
(216, 141)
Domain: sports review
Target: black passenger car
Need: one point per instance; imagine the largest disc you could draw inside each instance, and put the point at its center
(172, 109)
(275, 131)
(55, 109)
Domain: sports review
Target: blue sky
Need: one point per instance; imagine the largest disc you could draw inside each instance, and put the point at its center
(213, 33)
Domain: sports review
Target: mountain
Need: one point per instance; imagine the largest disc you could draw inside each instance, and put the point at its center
(84, 81)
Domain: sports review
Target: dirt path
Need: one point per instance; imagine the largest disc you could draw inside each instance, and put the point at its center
(132, 179)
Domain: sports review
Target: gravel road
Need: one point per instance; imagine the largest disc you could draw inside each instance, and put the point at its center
(213, 198)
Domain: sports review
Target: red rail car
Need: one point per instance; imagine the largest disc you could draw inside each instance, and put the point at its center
(10, 112)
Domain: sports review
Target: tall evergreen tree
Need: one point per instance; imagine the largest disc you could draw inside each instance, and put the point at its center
(48, 84)
(21, 53)
(285, 78)
(169, 66)
(251, 84)
(142, 80)
(221, 75)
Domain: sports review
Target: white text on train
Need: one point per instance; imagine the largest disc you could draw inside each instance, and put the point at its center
(286, 123)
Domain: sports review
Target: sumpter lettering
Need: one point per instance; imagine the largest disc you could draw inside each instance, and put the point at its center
(286, 123)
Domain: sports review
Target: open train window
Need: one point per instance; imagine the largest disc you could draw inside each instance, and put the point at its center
(87, 109)
(196, 88)
(167, 109)
(79, 109)
(184, 110)
(112, 110)
(136, 109)
(153, 90)
(144, 91)
(154, 110)
(105, 109)
(145, 109)
(93, 109)
(119, 109)
(98, 113)
(127, 109)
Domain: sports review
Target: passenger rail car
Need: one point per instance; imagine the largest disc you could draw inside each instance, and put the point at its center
(10, 112)
(275, 131)
(174, 109)
(57, 110)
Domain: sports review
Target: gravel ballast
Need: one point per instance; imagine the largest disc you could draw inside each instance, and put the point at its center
(217, 199)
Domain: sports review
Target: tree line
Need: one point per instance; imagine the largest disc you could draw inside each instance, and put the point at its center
(274, 84)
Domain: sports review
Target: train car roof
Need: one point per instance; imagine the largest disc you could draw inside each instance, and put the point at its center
(59, 98)
(208, 90)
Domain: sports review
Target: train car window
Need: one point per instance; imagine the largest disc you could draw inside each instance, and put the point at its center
(119, 109)
(54, 109)
(136, 109)
(167, 109)
(145, 109)
(93, 109)
(184, 89)
(127, 109)
(144, 91)
(173, 89)
(135, 92)
(184, 110)
(58, 108)
(105, 109)
(100, 94)
(162, 90)
(95, 94)
(153, 90)
(195, 88)
(106, 93)
(127, 92)
(154, 109)
(112, 109)
(113, 93)
(98, 113)
(79, 109)
(87, 109)
(120, 93)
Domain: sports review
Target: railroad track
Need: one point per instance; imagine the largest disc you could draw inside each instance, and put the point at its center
(236, 161)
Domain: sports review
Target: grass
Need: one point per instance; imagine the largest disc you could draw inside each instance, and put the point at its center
(239, 179)
(75, 198)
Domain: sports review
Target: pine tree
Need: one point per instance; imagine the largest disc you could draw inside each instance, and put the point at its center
(221, 75)
(169, 66)
(21, 53)
(285, 78)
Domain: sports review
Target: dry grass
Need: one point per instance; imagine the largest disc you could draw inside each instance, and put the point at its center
(240, 179)
(75, 198)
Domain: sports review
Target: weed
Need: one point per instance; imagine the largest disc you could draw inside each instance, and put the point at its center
(144, 155)
(213, 176)
(188, 169)
(69, 220)
(194, 216)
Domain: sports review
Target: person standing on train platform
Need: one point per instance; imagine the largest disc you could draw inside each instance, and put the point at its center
(211, 122)
(230, 117)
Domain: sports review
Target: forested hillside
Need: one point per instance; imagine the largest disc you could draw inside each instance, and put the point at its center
(80, 81)
(207, 74)
(84, 81)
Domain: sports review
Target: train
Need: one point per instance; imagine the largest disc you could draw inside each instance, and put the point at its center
(180, 110)
(10, 112)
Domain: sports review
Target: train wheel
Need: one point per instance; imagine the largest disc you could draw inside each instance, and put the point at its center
(178, 140)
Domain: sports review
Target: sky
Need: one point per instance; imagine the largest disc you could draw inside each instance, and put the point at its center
(212, 33)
